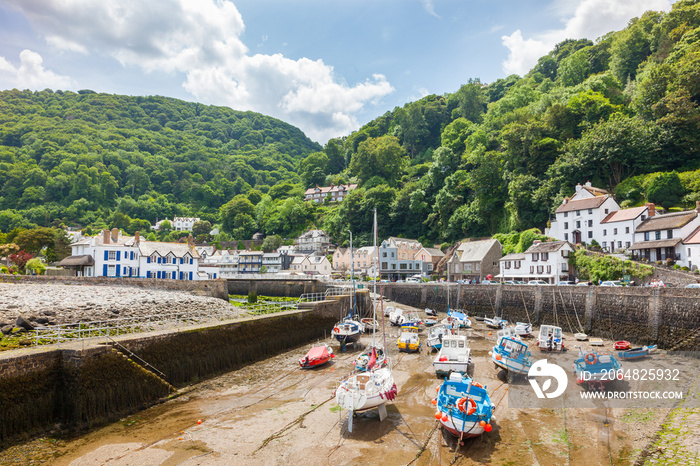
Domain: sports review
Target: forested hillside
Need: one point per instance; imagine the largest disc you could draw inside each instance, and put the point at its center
(80, 157)
(620, 111)
(499, 157)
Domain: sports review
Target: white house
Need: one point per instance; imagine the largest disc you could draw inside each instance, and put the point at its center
(547, 261)
(320, 193)
(578, 219)
(691, 249)
(316, 265)
(184, 223)
(660, 237)
(313, 241)
(618, 227)
(114, 255)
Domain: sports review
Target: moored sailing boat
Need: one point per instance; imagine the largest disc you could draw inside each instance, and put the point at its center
(349, 329)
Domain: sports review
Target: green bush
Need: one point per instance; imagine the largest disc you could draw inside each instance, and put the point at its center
(252, 297)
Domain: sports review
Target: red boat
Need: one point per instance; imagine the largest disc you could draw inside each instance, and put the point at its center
(317, 356)
(622, 345)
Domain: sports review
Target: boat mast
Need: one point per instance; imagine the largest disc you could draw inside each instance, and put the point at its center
(374, 290)
(352, 271)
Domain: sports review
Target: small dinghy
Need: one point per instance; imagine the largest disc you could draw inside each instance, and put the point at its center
(409, 342)
(454, 356)
(637, 353)
(622, 345)
(409, 319)
(464, 408)
(550, 338)
(431, 312)
(495, 322)
(430, 321)
(389, 310)
(594, 369)
(317, 356)
(369, 324)
(581, 336)
(596, 341)
(523, 329)
(436, 334)
(395, 316)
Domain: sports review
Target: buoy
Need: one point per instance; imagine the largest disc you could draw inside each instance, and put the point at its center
(199, 422)
(438, 415)
(489, 333)
(498, 357)
(487, 428)
(482, 423)
(444, 418)
(437, 389)
(180, 438)
(434, 401)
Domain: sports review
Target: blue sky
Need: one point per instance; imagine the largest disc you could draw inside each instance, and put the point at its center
(326, 66)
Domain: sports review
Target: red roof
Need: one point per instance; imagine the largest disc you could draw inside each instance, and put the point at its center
(582, 204)
(624, 214)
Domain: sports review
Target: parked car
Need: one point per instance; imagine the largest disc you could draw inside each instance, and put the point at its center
(693, 285)
(489, 282)
(611, 283)
(413, 280)
(537, 282)
(513, 282)
(583, 284)
(564, 283)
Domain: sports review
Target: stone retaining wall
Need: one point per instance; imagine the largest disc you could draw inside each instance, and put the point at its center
(213, 288)
(275, 287)
(78, 387)
(663, 316)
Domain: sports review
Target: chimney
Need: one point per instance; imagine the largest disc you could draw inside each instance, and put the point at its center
(697, 206)
(564, 201)
(578, 187)
(190, 241)
(115, 234)
(137, 238)
(652, 209)
(536, 242)
(588, 184)
(105, 236)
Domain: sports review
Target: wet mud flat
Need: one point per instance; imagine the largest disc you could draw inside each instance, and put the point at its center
(273, 412)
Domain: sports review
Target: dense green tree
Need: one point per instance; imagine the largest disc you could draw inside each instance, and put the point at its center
(271, 243)
(236, 214)
(666, 190)
(382, 157)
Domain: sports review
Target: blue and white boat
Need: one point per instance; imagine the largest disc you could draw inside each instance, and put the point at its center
(495, 322)
(347, 331)
(636, 353)
(464, 406)
(510, 353)
(409, 319)
(523, 329)
(595, 369)
(550, 338)
(461, 318)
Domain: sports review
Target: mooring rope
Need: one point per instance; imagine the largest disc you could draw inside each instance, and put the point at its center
(425, 444)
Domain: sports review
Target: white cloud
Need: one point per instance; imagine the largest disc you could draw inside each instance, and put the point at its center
(201, 40)
(591, 19)
(30, 74)
(429, 7)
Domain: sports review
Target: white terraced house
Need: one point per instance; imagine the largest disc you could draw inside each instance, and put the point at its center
(579, 219)
(114, 255)
(547, 261)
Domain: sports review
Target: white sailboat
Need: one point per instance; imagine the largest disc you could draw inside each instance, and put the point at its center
(373, 387)
(349, 329)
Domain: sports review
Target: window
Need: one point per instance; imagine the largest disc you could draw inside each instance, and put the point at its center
(644, 217)
(590, 234)
(517, 264)
(578, 213)
(564, 267)
(606, 211)
(535, 256)
(605, 244)
(549, 269)
(627, 229)
(657, 234)
(383, 254)
(578, 224)
(590, 223)
(688, 252)
(590, 211)
(532, 269)
(456, 268)
(507, 263)
(646, 236)
(477, 267)
(111, 270)
(540, 269)
(627, 244)
(605, 232)
(614, 231)
(566, 237)
(566, 214)
(619, 244)
(669, 234)
(545, 256)
(566, 225)
(384, 266)
(111, 256)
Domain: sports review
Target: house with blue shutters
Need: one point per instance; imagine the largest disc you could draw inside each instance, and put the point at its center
(113, 255)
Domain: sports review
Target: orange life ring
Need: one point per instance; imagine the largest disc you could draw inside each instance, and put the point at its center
(472, 406)
(336, 329)
(477, 384)
(591, 358)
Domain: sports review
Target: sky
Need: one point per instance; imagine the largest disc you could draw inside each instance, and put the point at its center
(325, 66)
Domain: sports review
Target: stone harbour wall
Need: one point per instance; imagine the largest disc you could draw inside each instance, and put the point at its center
(667, 317)
(81, 385)
(273, 287)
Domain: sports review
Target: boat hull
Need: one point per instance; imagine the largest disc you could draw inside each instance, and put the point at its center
(364, 391)
(445, 368)
(472, 429)
(312, 364)
(511, 365)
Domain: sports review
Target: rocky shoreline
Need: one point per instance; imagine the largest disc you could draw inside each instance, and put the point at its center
(56, 304)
